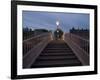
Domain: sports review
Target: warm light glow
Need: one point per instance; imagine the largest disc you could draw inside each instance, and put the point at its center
(57, 31)
(57, 23)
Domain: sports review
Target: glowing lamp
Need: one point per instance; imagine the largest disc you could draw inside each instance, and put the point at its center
(57, 23)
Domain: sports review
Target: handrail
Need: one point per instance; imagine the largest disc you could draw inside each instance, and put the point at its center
(80, 37)
(79, 46)
(28, 44)
(81, 42)
(36, 37)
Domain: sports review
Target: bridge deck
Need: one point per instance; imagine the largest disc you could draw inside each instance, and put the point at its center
(56, 54)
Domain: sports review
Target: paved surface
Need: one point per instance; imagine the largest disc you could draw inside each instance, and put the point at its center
(56, 54)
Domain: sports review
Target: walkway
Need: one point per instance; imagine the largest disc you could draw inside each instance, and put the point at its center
(56, 54)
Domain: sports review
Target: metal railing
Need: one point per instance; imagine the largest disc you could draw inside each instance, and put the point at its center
(79, 41)
(30, 43)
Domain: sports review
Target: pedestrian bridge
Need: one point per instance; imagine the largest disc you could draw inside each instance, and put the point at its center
(44, 51)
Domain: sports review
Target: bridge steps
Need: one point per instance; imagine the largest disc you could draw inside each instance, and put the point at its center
(56, 54)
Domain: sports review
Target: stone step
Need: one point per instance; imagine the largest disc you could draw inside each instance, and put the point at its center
(58, 47)
(56, 57)
(57, 51)
(57, 54)
(52, 63)
(54, 45)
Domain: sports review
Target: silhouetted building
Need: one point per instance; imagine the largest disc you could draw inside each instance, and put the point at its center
(39, 31)
(80, 32)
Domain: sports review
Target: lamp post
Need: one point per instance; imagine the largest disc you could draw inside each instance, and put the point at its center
(57, 23)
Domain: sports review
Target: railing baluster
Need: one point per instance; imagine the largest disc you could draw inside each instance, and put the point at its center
(31, 42)
(81, 42)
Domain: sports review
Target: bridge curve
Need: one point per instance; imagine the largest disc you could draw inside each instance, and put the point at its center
(45, 52)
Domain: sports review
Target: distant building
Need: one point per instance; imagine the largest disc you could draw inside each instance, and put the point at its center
(40, 31)
(80, 32)
(27, 33)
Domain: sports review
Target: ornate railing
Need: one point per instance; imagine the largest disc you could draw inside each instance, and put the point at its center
(30, 43)
(79, 41)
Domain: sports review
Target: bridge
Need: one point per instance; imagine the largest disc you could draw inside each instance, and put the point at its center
(44, 51)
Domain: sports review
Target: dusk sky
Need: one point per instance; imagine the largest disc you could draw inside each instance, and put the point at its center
(47, 20)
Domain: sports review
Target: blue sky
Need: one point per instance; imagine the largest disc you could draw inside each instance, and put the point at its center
(47, 20)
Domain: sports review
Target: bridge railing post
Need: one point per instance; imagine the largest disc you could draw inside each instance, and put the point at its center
(28, 44)
(79, 45)
(35, 45)
(81, 42)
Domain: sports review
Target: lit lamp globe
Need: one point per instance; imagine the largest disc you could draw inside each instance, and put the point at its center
(57, 23)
